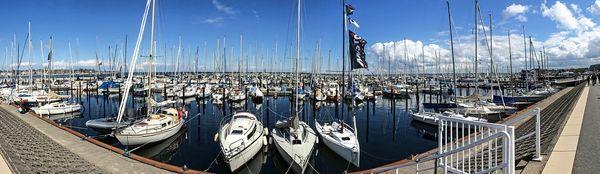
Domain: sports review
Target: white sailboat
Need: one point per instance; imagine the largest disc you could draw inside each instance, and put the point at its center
(241, 137)
(339, 136)
(294, 139)
(57, 108)
(159, 124)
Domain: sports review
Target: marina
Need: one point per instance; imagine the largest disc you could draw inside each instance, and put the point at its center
(160, 103)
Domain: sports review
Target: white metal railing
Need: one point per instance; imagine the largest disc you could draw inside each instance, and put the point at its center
(475, 147)
(466, 146)
(524, 117)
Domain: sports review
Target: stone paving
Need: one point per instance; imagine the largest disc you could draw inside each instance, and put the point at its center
(28, 150)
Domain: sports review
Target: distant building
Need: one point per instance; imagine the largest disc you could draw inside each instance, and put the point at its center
(595, 67)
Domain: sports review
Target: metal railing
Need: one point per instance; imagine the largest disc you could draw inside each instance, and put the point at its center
(524, 117)
(465, 146)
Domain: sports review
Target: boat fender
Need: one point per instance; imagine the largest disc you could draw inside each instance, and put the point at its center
(270, 140)
(317, 141)
(216, 138)
(266, 131)
(265, 141)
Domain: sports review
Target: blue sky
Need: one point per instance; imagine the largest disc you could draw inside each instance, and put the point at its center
(91, 26)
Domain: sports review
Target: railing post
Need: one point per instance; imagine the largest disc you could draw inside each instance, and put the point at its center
(511, 150)
(441, 129)
(537, 156)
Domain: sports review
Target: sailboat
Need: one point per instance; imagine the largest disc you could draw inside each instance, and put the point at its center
(294, 139)
(339, 136)
(159, 124)
(51, 108)
(429, 115)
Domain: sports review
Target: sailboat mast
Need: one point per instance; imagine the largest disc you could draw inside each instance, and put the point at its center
(136, 50)
(295, 122)
(475, 30)
(452, 51)
(151, 56)
(510, 63)
(30, 54)
(344, 29)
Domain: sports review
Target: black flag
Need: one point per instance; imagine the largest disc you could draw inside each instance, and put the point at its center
(349, 9)
(50, 55)
(357, 51)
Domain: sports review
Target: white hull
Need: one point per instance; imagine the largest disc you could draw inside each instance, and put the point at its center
(145, 138)
(296, 155)
(349, 150)
(56, 110)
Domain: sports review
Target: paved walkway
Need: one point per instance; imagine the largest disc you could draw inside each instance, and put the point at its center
(54, 144)
(577, 148)
(4, 166)
(587, 159)
(563, 154)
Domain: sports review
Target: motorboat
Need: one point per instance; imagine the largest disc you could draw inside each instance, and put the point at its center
(241, 137)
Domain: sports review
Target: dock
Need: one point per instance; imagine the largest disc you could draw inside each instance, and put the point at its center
(567, 142)
(31, 145)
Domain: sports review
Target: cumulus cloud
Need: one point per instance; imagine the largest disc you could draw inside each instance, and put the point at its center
(516, 11)
(439, 55)
(563, 48)
(565, 19)
(224, 8)
(595, 8)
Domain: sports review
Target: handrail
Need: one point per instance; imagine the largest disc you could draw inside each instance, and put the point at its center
(504, 134)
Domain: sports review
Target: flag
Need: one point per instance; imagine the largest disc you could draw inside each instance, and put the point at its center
(353, 23)
(349, 9)
(50, 55)
(357, 51)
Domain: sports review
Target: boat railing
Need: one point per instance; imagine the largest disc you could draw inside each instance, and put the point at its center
(465, 146)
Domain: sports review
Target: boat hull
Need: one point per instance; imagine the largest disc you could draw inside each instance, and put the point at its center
(140, 139)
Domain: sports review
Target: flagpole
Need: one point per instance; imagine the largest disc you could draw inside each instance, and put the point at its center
(344, 29)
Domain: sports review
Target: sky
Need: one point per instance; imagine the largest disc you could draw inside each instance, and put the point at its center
(567, 30)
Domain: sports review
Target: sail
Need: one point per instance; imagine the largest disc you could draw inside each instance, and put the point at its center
(357, 51)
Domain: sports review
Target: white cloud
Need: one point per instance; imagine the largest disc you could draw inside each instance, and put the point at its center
(215, 20)
(517, 11)
(595, 8)
(576, 8)
(565, 19)
(256, 16)
(564, 49)
(224, 8)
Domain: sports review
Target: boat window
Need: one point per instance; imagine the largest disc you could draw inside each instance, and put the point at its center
(237, 131)
(346, 138)
(251, 133)
(169, 123)
(164, 124)
(296, 142)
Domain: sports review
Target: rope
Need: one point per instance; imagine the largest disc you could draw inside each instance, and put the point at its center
(288, 170)
(312, 167)
(214, 160)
